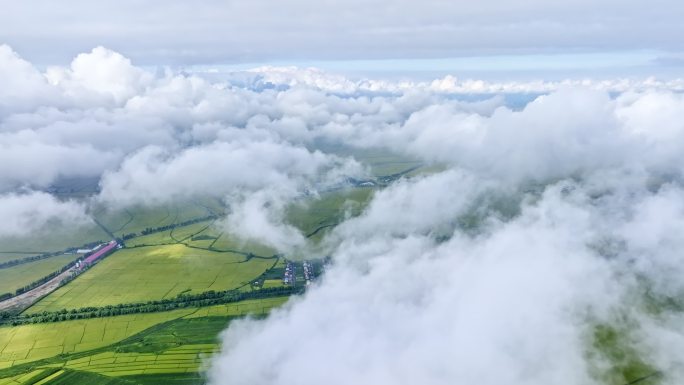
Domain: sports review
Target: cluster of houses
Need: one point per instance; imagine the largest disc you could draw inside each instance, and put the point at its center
(289, 275)
(308, 272)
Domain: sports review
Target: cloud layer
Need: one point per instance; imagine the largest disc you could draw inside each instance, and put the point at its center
(549, 214)
(517, 302)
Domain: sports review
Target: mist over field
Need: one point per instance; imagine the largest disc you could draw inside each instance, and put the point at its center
(541, 246)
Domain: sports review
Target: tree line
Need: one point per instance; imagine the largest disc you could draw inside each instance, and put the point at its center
(45, 279)
(50, 276)
(38, 282)
(208, 298)
(21, 261)
(150, 230)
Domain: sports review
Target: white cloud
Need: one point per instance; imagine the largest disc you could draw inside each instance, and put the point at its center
(102, 74)
(23, 86)
(154, 175)
(547, 219)
(260, 216)
(521, 298)
(25, 213)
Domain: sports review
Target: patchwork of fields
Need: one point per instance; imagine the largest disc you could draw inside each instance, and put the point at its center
(161, 347)
(169, 250)
(151, 273)
(137, 219)
(171, 342)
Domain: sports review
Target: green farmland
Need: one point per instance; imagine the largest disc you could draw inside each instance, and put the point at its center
(136, 219)
(57, 239)
(313, 217)
(18, 276)
(171, 252)
(148, 346)
(150, 273)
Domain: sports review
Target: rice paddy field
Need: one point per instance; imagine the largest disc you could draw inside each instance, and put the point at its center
(142, 274)
(173, 236)
(142, 348)
(136, 219)
(168, 347)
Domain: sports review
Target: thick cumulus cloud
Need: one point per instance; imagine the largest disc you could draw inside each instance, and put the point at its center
(153, 175)
(100, 74)
(559, 217)
(88, 117)
(406, 310)
(516, 303)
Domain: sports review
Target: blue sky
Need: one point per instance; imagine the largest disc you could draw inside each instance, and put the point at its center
(533, 66)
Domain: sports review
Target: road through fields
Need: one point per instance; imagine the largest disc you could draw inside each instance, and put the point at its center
(25, 300)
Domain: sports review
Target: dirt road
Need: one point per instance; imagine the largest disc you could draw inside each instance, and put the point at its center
(27, 299)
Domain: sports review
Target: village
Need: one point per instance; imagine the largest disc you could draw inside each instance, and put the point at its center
(310, 270)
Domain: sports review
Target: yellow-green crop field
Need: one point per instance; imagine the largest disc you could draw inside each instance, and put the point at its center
(172, 342)
(152, 273)
(25, 343)
(137, 348)
(176, 235)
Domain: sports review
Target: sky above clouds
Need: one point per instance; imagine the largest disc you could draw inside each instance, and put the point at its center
(357, 35)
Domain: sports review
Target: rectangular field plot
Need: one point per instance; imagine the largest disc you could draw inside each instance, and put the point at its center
(33, 342)
(171, 343)
(258, 306)
(157, 238)
(125, 364)
(22, 378)
(154, 273)
(137, 219)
